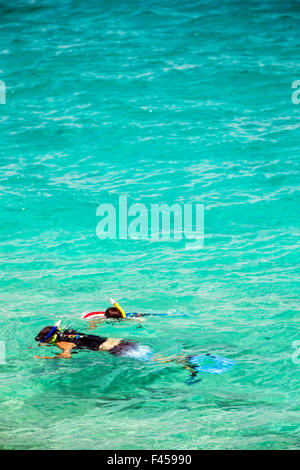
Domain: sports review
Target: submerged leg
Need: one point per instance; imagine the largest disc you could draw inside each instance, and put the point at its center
(209, 363)
(183, 360)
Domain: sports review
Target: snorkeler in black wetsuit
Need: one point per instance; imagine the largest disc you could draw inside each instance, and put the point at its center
(68, 340)
(71, 339)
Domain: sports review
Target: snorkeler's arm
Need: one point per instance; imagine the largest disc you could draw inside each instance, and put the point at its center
(95, 322)
(66, 354)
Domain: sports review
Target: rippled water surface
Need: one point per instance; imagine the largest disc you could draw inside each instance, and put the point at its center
(162, 102)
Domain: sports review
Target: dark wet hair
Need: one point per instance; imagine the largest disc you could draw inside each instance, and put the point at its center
(113, 312)
(43, 333)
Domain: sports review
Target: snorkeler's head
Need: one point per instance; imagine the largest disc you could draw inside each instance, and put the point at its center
(113, 312)
(46, 334)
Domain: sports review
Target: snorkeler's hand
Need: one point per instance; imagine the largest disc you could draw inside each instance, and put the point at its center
(43, 357)
(64, 355)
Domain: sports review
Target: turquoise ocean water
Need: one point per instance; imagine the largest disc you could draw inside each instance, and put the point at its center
(162, 102)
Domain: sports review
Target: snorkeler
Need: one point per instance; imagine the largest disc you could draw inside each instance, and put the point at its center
(115, 312)
(69, 340)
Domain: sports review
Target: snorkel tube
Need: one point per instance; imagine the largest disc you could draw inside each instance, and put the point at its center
(51, 332)
(115, 304)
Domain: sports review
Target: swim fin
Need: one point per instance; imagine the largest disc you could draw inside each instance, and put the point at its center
(208, 363)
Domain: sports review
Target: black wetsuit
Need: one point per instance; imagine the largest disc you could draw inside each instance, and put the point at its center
(93, 342)
(81, 340)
